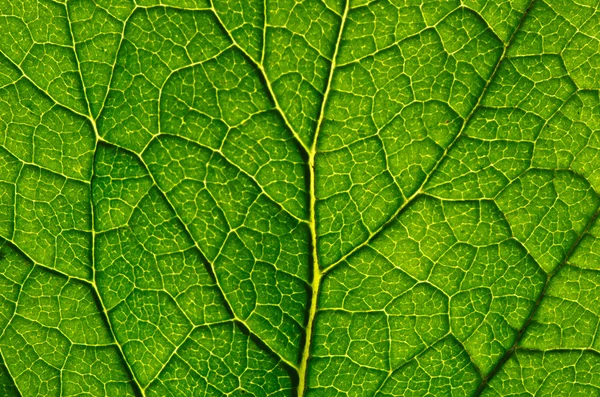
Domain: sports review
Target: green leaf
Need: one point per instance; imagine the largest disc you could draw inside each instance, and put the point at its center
(299, 198)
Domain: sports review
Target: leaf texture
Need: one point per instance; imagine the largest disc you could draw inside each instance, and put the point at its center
(299, 198)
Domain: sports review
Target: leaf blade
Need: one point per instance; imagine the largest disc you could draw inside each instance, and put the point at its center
(354, 198)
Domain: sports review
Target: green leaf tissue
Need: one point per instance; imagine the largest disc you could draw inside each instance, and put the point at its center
(308, 198)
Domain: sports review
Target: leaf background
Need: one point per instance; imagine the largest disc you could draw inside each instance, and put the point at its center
(319, 198)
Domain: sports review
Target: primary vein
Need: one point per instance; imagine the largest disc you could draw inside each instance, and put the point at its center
(316, 269)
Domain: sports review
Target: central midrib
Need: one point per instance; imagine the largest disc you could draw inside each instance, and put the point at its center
(317, 273)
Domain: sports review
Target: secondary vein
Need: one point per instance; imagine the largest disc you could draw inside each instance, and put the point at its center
(465, 123)
(509, 353)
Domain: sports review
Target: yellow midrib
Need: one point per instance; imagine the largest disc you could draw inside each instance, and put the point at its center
(316, 269)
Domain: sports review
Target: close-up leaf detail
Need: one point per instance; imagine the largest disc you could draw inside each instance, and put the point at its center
(299, 198)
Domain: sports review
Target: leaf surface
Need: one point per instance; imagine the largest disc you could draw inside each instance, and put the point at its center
(310, 198)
